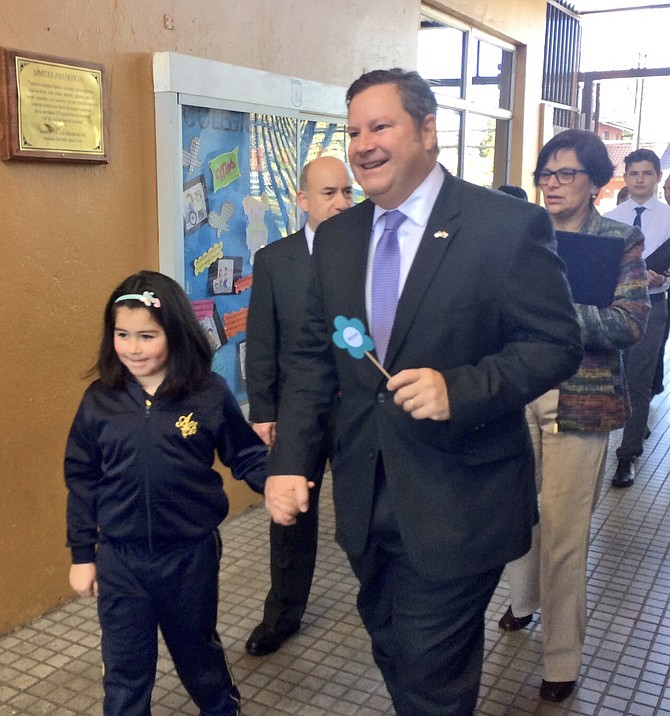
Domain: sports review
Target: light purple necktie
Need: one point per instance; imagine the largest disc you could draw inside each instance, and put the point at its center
(385, 280)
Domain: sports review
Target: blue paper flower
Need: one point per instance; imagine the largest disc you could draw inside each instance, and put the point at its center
(351, 335)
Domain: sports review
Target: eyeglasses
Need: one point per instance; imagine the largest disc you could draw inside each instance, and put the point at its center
(563, 176)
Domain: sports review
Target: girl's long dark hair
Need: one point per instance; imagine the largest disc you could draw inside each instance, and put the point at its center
(190, 354)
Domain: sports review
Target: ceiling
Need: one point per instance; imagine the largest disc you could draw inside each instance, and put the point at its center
(608, 6)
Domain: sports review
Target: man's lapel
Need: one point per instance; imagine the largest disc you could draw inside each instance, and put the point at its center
(300, 252)
(360, 233)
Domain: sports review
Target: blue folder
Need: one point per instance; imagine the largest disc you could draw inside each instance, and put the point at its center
(593, 264)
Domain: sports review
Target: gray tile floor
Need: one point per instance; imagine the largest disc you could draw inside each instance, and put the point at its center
(52, 666)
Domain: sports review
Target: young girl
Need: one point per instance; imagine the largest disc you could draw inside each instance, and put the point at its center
(144, 503)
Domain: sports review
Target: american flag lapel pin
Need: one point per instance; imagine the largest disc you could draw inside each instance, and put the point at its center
(441, 234)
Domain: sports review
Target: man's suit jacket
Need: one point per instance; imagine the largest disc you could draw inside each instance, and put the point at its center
(487, 306)
(276, 309)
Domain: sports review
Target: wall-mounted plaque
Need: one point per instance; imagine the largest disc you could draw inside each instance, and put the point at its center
(53, 108)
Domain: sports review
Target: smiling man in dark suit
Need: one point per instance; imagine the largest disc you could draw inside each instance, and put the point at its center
(281, 278)
(433, 469)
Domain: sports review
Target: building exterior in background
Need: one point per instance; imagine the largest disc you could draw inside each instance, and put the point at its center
(619, 141)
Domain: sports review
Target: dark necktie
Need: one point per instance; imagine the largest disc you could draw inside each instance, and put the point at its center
(385, 280)
(638, 219)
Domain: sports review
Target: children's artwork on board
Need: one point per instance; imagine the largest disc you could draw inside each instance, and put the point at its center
(242, 361)
(219, 219)
(223, 273)
(191, 157)
(194, 204)
(209, 318)
(239, 176)
(257, 232)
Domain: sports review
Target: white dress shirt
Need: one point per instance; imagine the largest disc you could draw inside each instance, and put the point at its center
(417, 208)
(309, 235)
(655, 225)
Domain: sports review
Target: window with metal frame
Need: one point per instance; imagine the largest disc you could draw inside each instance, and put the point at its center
(472, 76)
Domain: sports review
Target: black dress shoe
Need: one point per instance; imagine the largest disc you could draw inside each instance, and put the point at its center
(624, 475)
(509, 622)
(556, 690)
(264, 640)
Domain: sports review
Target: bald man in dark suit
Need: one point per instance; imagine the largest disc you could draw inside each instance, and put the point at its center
(276, 308)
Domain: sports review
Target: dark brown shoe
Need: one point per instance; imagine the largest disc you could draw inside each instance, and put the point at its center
(509, 622)
(624, 475)
(556, 690)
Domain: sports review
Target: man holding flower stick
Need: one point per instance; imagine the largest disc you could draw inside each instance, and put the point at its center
(469, 310)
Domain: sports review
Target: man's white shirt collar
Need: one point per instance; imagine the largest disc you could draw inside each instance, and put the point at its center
(309, 235)
(418, 206)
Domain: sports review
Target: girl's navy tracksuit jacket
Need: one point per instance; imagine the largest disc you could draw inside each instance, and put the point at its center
(138, 468)
(144, 504)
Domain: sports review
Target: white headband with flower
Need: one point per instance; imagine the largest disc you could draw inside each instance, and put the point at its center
(147, 298)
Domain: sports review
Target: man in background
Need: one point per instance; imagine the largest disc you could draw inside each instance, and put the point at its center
(276, 308)
(643, 209)
(513, 190)
(622, 195)
(657, 386)
(471, 316)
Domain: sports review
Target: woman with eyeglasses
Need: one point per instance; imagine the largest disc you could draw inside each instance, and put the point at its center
(570, 425)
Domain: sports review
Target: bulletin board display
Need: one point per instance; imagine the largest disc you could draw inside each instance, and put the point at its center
(240, 176)
(233, 192)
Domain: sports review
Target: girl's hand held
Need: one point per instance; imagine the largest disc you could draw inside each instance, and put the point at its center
(83, 579)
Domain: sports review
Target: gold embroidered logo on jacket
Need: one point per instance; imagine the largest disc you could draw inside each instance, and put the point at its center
(186, 425)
